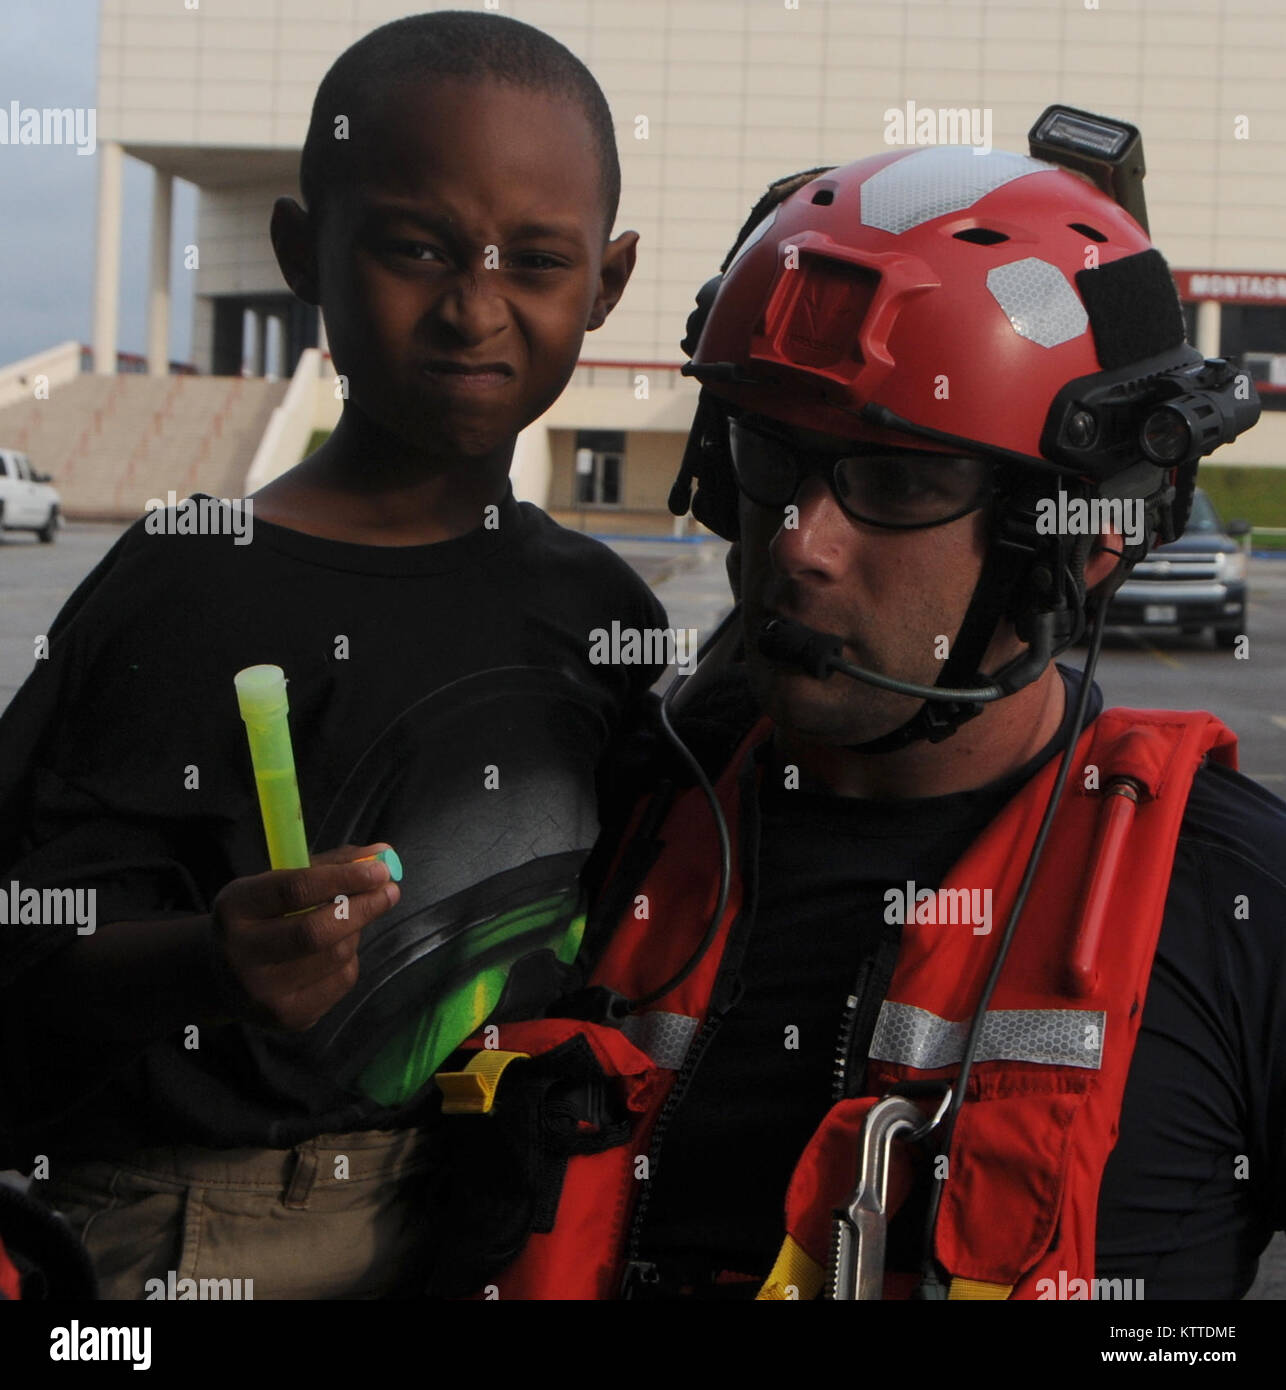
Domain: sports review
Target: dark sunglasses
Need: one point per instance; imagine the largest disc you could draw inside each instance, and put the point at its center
(901, 489)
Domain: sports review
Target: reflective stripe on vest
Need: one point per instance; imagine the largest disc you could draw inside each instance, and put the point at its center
(665, 1037)
(912, 1037)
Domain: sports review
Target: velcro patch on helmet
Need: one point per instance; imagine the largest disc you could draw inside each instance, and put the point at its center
(1134, 309)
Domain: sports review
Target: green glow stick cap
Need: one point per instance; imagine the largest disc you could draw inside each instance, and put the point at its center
(261, 693)
(390, 857)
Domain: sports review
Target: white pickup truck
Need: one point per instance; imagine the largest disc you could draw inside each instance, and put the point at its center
(27, 502)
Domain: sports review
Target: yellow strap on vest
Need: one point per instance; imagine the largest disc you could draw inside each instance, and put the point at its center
(794, 1275)
(473, 1090)
(977, 1289)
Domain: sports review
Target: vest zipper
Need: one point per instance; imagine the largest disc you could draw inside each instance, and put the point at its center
(861, 1010)
(722, 1000)
(644, 1271)
(844, 1045)
(851, 1036)
(856, 1027)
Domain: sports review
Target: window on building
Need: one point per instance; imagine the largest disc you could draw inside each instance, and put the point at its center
(600, 463)
(1255, 336)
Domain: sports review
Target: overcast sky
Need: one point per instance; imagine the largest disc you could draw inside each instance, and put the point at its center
(48, 57)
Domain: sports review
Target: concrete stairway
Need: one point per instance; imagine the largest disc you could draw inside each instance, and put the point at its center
(111, 443)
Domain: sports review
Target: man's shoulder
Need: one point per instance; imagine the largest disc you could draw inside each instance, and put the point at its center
(1231, 815)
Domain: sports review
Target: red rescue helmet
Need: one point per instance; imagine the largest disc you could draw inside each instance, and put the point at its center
(940, 283)
(993, 302)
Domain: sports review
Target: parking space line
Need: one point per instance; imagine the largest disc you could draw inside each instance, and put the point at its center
(1141, 644)
(1163, 656)
(1279, 720)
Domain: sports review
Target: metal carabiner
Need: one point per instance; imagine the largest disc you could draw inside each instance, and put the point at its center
(858, 1237)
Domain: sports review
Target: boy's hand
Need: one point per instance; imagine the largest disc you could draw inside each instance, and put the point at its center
(285, 948)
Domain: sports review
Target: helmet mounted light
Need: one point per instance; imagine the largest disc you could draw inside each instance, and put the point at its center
(1106, 150)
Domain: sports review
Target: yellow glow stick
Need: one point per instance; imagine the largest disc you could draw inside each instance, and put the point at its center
(261, 695)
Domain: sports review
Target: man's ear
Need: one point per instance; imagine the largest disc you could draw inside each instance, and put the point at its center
(295, 246)
(1104, 558)
(614, 274)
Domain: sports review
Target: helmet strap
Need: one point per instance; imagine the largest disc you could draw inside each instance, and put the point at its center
(1025, 577)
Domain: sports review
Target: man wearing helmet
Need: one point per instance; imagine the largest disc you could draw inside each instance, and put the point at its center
(914, 942)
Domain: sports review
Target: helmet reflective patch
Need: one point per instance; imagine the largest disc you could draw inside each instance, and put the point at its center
(1040, 303)
(942, 179)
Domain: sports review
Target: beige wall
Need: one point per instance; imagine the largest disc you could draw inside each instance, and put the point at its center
(737, 92)
(232, 232)
(562, 467)
(651, 461)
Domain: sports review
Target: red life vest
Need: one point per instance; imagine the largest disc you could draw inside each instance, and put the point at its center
(1019, 1207)
(10, 1281)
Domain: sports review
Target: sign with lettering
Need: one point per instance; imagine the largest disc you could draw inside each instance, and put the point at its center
(1232, 286)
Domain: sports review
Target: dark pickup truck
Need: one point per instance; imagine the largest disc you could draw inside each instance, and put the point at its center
(1196, 582)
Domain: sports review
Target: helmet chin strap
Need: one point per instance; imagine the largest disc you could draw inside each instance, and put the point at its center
(1050, 570)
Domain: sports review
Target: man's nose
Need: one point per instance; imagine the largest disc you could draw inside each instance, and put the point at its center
(472, 308)
(815, 535)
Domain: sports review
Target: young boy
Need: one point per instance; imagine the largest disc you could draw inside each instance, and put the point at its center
(201, 1076)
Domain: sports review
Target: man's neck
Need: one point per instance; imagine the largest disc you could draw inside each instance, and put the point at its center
(1004, 737)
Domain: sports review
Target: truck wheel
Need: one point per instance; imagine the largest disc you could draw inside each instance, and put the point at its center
(50, 529)
(1226, 637)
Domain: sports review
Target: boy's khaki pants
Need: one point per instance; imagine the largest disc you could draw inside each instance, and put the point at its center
(340, 1216)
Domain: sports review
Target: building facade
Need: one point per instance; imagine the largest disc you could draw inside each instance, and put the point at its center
(712, 100)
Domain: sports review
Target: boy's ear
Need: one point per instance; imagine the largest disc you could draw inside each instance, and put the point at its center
(295, 248)
(613, 276)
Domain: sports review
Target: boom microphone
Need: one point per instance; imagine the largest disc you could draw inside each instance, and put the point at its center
(818, 654)
(793, 644)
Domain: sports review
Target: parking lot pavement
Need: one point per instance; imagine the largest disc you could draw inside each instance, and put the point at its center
(1137, 668)
(690, 580)
(35, 581)
(1143, 668)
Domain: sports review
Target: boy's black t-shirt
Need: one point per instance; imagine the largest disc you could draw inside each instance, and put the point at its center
(1193, 1190)
(442, 698)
